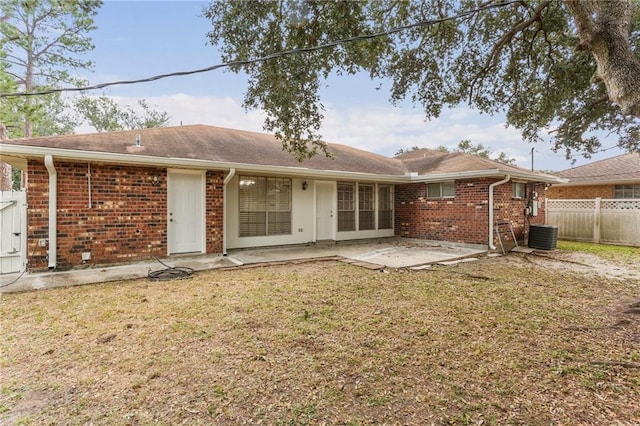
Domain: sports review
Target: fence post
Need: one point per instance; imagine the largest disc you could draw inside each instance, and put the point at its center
(596, 221)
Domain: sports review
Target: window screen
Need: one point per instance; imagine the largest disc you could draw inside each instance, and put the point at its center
(265, 206)
(366, 207)
(441, 190)
(385, 207)
(346, 207)
(627, 191)
(519, 189)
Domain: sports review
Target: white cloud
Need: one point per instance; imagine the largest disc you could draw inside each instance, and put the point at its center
(387, 130)
(215, 111)
(188, 109)
(383, 130)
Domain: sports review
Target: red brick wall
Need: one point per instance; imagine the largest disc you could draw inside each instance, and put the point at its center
(507, 208)
(464, 218)
(37, 214)
(126, 222)
(214, 211)
(581, 192)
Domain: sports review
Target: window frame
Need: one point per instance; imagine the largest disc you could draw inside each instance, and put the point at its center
(366, 207)
(385, 207)
(346, 206)
(450, 184)
(264, 213)
(635, 191)
(514, 190)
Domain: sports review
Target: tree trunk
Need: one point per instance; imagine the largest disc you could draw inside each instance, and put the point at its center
(604, 29)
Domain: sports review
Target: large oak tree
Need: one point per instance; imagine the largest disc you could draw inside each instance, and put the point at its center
(568, 67)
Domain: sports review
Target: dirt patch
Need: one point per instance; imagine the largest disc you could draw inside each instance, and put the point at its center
(581, 263)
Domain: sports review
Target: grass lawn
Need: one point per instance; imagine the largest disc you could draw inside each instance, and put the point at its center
(621, 254)
(498, 341)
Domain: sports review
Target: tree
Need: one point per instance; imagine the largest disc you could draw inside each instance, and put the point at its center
(406, 150)
(104, 114)
(466, 145)
(43, 42)
(571, 66)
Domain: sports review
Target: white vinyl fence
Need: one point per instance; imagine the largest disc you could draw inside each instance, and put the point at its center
(13, 231)
(596, 220)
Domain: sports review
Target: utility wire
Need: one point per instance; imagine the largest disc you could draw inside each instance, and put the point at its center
(280, 54)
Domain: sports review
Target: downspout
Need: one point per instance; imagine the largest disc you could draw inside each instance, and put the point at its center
(227, 179)
(493, 185)
(53, 211)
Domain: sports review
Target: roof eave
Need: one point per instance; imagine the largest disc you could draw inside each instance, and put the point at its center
(173, 162)
(567, 182)
(151, 161)
(438, 177)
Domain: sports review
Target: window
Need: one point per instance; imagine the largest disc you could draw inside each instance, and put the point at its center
(346, 207)
(518, 189)
(441, 190)
(385, 207)
(627, 191)
(366, 207)
(265, 206)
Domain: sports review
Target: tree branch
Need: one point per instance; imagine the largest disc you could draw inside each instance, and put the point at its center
(574, 118)
(496, 51)
(582, 12)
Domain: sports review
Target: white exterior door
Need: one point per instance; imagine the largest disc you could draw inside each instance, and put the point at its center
(325, 210)
(185, 201)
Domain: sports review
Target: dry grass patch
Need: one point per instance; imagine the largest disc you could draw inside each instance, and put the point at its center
(328, 343)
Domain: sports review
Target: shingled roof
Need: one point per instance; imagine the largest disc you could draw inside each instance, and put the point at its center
(209, 144)
(623, 168)
(428, 161)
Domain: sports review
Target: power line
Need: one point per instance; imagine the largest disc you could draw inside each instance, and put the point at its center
(276, 55)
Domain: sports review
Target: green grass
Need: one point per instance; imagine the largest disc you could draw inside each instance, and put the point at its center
(498, 341)
(606, 251)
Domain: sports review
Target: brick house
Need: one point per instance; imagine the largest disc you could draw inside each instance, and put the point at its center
(611, 178)
(136, 195)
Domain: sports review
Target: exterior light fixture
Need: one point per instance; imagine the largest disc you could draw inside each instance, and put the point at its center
(305, 185)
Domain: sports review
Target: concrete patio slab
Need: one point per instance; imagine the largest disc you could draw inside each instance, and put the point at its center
(387, 252)
(371, 254)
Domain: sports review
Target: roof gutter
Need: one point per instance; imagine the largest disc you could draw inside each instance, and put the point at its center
(227, 179)
(493, 185)
(473, 174)
(53, 210)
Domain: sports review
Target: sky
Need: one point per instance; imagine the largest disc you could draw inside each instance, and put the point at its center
(140, 39)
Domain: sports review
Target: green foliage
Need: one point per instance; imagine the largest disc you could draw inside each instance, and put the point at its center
(518, 59)
(104, 114)
(466, 145)
(43, 43)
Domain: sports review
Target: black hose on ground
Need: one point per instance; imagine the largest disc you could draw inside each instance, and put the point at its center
(170, 273)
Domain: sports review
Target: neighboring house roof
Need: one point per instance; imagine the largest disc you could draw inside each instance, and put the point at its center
(623, 168)
(201, 146)
(425, 161)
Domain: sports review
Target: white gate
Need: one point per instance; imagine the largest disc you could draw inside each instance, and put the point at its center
(13, 231)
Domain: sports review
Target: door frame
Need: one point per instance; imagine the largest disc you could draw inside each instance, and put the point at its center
(203, 208)
(334, 204)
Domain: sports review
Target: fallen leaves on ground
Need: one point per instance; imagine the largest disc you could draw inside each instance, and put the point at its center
(328, 343)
